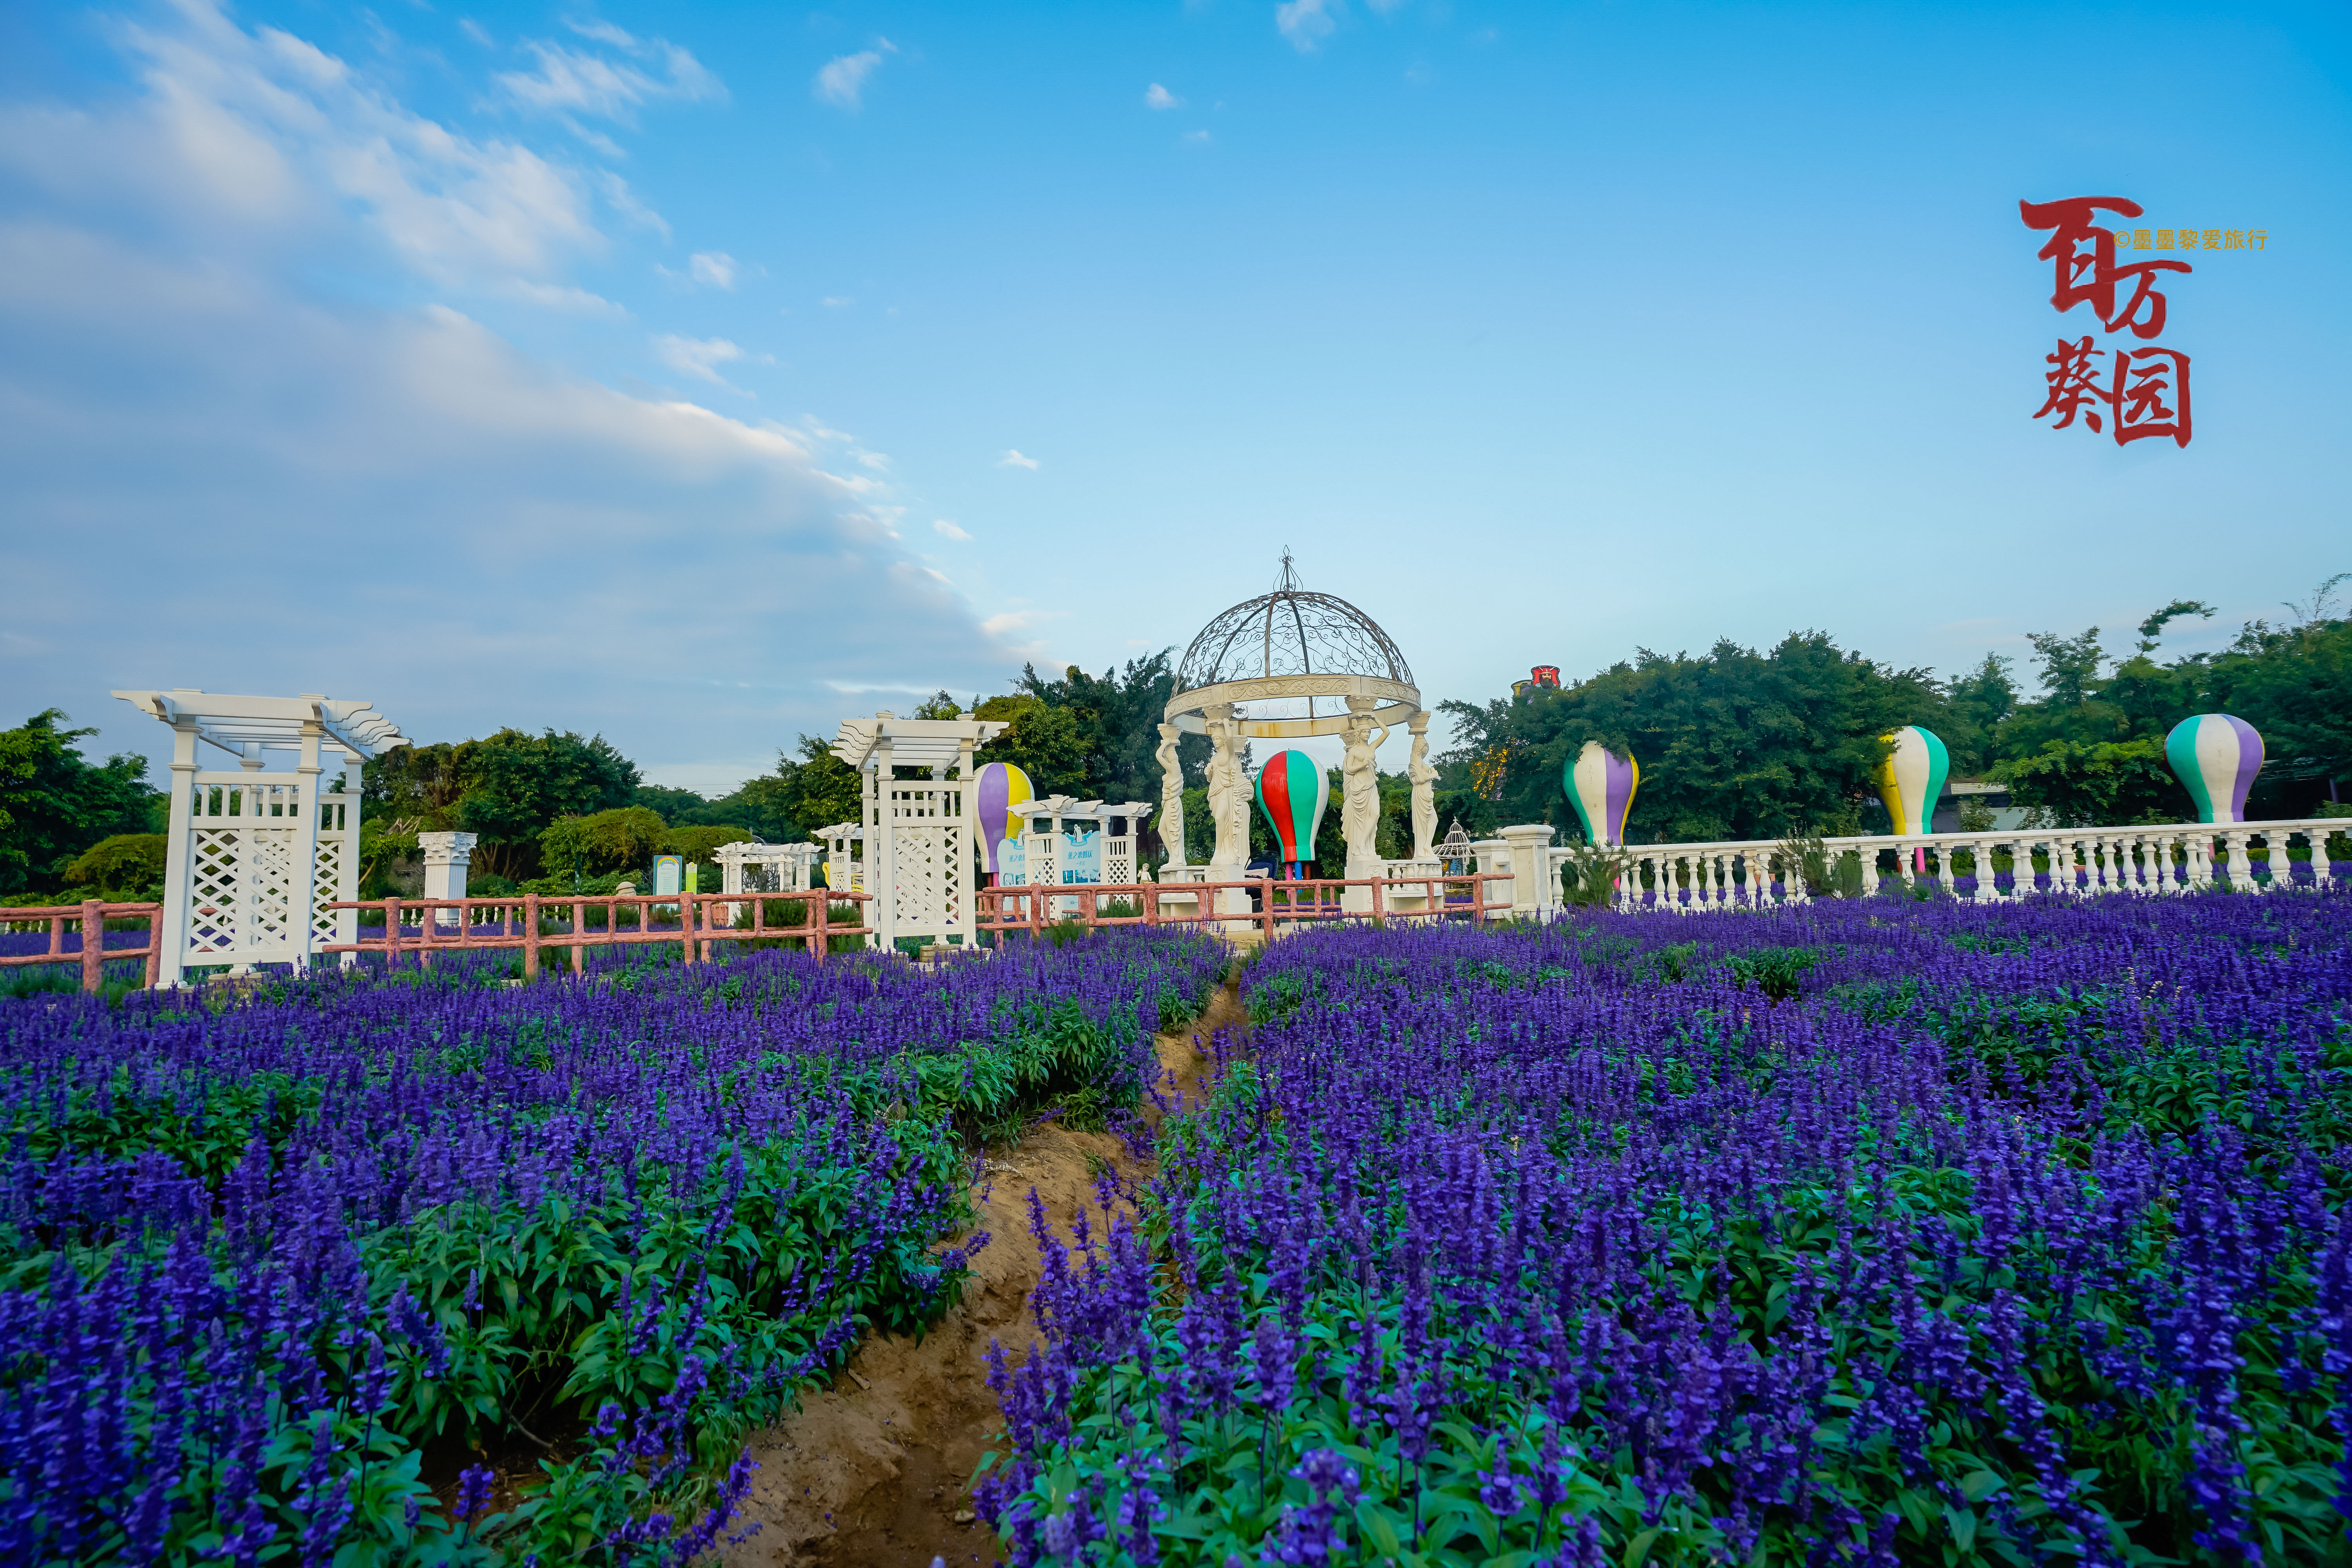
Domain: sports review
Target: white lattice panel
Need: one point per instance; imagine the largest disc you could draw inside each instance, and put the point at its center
(927, 840)
(246, 878)
(214, 891)
(329, 873)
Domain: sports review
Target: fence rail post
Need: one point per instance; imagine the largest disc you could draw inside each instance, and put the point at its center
(531, 936)
(93, 944)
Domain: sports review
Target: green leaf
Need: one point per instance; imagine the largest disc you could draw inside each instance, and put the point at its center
(1381, 1527)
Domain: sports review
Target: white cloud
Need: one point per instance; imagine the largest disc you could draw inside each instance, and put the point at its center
(1014, 459)
(201, 415)
(476, 32)
(1306, 23)
(262, 136)
(606, 33)
(565, 297)
(1158, 97)
(996, 626)
(842, 81)
(572, 82)
(1194, 139)
(622, 200)
(714, 268)
(838, 302)
(697, 357)
(945, 529)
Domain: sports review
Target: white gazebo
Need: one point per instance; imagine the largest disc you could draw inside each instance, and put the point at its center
(917, 862)
(251, 854)
(1283, 665)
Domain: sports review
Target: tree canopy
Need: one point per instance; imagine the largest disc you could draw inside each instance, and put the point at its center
(1737, 744)
(55, 803)
(1732, 744)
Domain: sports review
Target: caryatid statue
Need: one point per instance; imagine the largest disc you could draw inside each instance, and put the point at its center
(1171, 796)
(1228, 790)
(1423, 779)
(1360, 811)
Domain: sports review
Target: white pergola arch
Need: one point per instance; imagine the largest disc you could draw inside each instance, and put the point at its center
(250, 855)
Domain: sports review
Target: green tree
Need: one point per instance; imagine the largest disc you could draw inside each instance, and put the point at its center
(625, 838)
(816, 789)
(671, 804)
(2295, 687)
(54, 802)
(1974, 707)
(1733, 744)
(2075, 783)
(1045, 741)
(123, 869)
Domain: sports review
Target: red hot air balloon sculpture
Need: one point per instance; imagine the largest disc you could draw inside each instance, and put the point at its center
(1292, 791)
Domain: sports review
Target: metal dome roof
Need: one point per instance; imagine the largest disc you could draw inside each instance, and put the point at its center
(1291, 632)
(1292, 663)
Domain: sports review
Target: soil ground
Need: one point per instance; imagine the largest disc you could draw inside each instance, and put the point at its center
(876, 1468)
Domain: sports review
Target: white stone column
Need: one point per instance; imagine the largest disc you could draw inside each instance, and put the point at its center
(1533, 892)
(446, 855)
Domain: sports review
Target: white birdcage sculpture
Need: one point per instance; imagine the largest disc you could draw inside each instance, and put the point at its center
(250, 855)
(1455, 851)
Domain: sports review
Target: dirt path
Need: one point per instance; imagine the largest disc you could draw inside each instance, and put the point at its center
(876, 1470)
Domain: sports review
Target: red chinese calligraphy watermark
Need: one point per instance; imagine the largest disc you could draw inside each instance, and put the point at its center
(2142, 392)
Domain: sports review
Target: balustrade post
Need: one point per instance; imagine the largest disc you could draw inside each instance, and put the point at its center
(2319, 862)
(2242, 864)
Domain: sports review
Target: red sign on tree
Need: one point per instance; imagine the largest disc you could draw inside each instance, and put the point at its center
(2140, 392)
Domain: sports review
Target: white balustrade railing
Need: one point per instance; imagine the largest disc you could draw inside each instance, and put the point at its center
(1753, 873)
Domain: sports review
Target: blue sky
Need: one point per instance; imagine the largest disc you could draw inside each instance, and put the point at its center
(702, 375)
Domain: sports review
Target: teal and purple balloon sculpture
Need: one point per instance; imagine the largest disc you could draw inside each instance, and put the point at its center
(1600, 785)
(2216, 756)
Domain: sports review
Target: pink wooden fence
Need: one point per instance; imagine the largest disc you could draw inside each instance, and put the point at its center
(90, 919)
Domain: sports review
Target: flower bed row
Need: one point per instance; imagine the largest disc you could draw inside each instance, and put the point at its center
(262, 1255)
(1878, 1232)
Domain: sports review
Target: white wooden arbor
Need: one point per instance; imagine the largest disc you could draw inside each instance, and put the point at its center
(1113, 826)
(747, 866)
(917, 831)
(252, 854)
(843, 843)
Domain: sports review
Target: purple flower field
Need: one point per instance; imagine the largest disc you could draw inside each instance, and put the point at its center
(266, 1255)
(1873, 1232)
